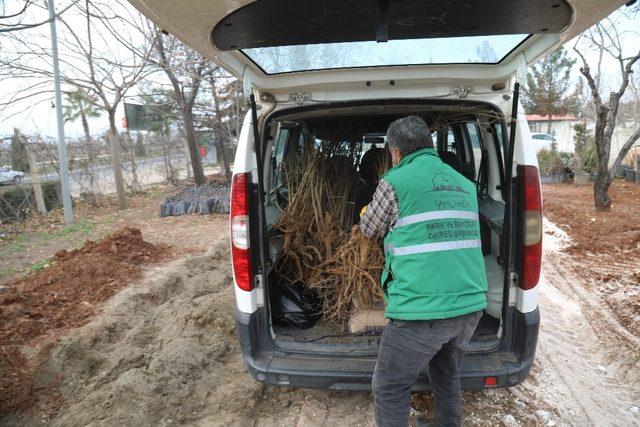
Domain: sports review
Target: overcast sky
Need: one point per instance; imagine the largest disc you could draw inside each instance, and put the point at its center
(38, 115)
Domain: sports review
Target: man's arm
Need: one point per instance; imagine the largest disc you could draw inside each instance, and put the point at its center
(381, 213)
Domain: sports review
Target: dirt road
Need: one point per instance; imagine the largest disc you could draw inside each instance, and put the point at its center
(163, 352)
(590, 364)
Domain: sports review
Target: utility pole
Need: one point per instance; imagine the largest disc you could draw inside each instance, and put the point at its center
(62, 146)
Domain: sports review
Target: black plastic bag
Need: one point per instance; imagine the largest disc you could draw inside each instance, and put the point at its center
(294, 305)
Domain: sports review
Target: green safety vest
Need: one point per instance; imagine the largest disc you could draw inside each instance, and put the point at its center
(434, 268)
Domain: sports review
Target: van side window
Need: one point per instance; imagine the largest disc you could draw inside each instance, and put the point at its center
(497, 130)
(450, 141)
(281, 144)
(476, 148)
(277, 170)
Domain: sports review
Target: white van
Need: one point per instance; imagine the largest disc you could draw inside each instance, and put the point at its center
(323, 64)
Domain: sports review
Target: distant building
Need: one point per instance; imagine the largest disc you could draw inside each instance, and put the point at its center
(621, 134)
(561, 129)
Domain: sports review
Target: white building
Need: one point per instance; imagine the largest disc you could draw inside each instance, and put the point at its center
(561, 129)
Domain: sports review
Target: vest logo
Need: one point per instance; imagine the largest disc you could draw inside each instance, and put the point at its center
(442, 181)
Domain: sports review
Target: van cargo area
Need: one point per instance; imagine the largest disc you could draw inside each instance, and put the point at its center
(468, 136)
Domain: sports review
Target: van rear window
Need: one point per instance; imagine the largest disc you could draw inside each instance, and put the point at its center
(449, 50)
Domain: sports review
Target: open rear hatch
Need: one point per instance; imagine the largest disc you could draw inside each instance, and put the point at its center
(282, 46)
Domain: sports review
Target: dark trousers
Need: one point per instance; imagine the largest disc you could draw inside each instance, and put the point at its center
(405, 348)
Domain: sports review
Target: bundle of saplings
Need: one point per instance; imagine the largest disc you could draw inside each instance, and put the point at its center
(322, 249)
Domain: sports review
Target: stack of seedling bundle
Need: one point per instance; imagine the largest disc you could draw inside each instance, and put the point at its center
(351, 277)
(322, 250)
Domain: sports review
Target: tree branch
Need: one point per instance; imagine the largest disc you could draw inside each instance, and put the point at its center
(37, 24)
(586, 72)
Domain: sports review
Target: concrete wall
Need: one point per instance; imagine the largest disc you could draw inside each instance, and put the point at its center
(563, 131)
(620, 135)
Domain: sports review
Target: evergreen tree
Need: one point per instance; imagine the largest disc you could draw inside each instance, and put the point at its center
(585, 147)
(486, 53)
(81, 106)
(161, 112)
(547, 86)
(18, 152)
(140, 149)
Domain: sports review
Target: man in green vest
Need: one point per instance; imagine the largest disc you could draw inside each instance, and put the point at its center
(434, 278)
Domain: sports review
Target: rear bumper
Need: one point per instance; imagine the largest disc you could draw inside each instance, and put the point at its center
(510, 364)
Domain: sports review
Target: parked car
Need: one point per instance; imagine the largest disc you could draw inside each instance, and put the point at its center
(314, 65)
(8, 176)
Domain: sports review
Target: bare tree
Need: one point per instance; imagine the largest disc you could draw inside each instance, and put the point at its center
(13, 20)
(186, 70)
(220, 136)
(104, 57)
(604, 37)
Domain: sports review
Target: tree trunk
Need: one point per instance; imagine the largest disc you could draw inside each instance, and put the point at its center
(601, 192)
(114, 144)
(220, 146)
(87, 138)
(135, 182)
(194, 152)
(603, 150)
(549, 125)
(187, 153)
(168, 172)
(85, 126)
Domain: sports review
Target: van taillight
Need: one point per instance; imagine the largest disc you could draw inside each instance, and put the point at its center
(532, 253)
(240, 253)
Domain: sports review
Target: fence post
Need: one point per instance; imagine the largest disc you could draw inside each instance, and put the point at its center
(35, 178)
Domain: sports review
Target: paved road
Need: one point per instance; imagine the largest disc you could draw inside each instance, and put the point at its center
(149, 171)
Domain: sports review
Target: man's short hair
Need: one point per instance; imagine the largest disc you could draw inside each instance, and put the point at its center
(409, 134)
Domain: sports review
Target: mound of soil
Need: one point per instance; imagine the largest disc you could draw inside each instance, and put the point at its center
(166, 353)
(64, 295)
(61, 297)
(161, 353)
